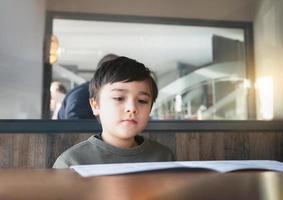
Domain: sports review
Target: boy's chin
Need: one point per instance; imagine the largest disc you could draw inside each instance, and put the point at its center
(127, 134)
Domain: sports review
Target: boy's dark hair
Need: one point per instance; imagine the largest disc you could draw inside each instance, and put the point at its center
(59, 87)
(106, 58)
(121, 69)
(62, 89)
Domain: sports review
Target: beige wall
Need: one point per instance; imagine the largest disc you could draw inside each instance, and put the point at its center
(21, 45)
(237, 10)
(268, 28)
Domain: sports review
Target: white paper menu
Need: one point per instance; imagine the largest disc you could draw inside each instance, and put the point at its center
(217, 166)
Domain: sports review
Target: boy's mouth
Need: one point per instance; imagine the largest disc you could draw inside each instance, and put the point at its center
(130, 121)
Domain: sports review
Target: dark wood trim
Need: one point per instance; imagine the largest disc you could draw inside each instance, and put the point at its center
(148, 19)
(90, 126)
(47, 69)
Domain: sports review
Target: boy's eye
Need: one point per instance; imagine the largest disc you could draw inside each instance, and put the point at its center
(143, 101)
(118, 98)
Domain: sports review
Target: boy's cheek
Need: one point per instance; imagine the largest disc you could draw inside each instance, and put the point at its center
(109, 110)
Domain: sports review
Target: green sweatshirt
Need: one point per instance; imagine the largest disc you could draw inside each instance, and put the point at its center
(95, 151)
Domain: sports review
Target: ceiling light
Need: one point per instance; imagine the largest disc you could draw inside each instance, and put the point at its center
(54, 45)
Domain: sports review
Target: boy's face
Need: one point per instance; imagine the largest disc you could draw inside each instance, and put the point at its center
(123, 109)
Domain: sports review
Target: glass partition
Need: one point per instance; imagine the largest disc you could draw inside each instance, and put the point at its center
(201, 71)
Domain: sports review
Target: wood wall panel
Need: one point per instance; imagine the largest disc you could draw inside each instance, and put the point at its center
(211, 146)
(23, 150)
(265, 145)
(187, 146)
(236, 146)
(41, 150)
(6, 151)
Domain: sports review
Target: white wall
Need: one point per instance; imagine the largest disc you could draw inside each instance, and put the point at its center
(268, 28)
(21, 44)
(238, 10)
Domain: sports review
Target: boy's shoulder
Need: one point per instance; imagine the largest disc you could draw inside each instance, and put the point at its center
(154, 144)
(161, 151)
(78, 147)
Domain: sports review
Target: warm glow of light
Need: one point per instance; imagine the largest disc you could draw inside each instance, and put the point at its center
(264, 86)
(246, 84)
(54, 45)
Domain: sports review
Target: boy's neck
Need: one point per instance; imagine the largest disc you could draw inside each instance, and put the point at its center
(120, 143)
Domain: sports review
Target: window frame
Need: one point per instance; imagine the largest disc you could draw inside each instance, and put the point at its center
(159, 125)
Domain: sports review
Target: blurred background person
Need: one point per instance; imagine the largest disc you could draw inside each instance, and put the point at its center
(57, 94)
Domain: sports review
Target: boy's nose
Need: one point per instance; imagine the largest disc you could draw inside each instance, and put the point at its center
(132, 111)
(131, 108)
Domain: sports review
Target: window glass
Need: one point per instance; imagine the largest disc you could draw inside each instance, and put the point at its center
(200, 71)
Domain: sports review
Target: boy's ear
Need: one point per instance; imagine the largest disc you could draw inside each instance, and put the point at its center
(94, 106)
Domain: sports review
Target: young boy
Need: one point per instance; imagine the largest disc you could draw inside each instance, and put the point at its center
(122, 93)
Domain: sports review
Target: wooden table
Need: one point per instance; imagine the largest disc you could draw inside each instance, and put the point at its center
(51, 184)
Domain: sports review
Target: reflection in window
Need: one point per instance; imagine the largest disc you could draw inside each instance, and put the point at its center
(200, 71)
(264, 86)
(204, 94)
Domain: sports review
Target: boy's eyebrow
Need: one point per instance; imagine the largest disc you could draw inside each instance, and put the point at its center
(124, 90)
(145, 93)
